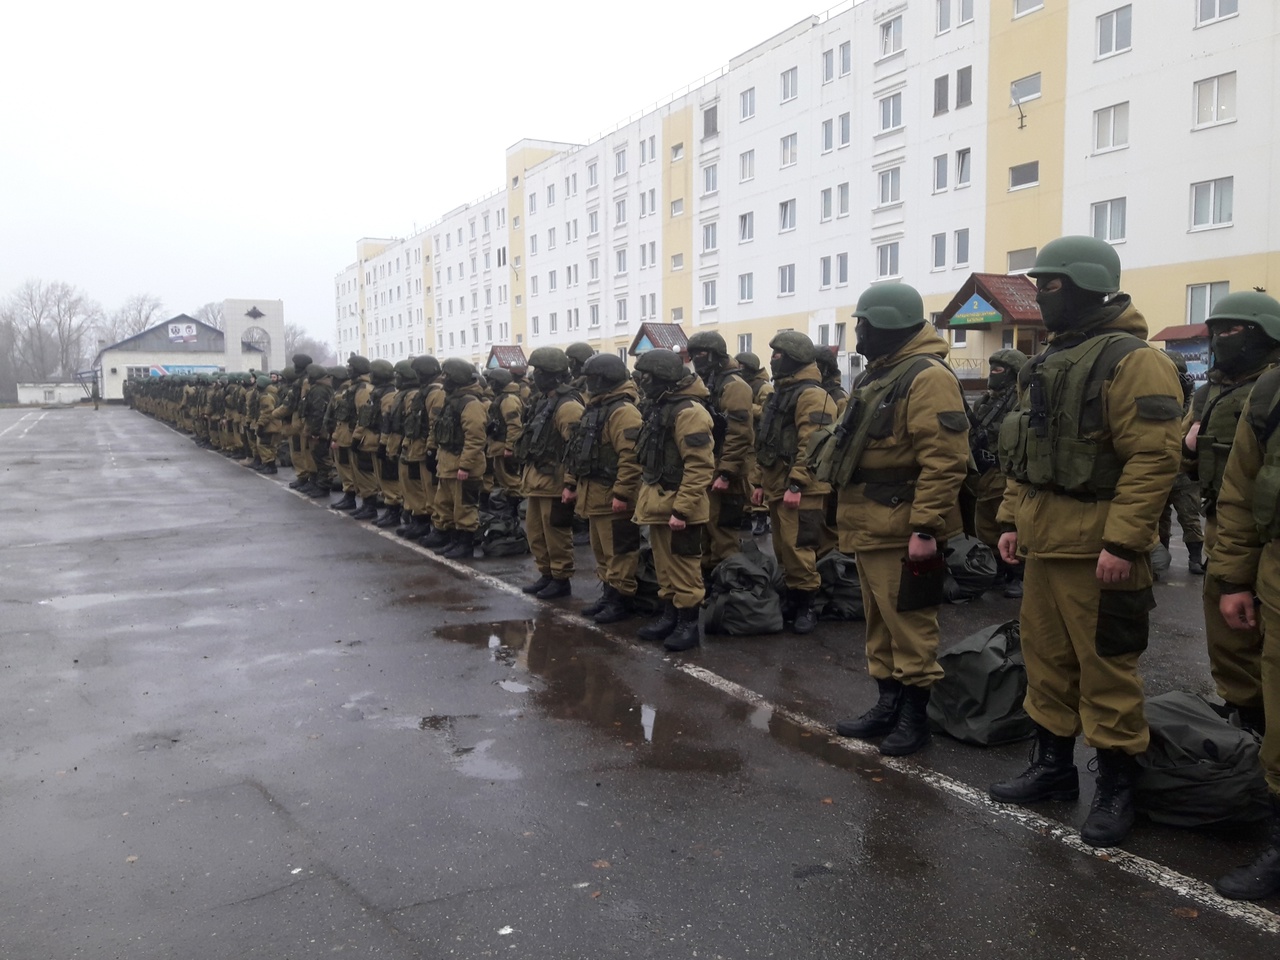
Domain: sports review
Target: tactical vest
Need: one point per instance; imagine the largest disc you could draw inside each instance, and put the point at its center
(1263, 416)
(984, 428)
(661, 463)
(1052, 442)
(396, 419)
(344, 405)
(1222, 412)
(541, 442)
(868, 416)
(415, 418)
(449, 433)
(370, 414)
(588, 456)
(496, 424)
(720, 419)
(778, 440)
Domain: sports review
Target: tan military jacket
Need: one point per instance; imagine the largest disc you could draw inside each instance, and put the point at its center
(548, 480)
(474, 417)
(512, 410)
(693, 435)
(814, 409)
(595, 497)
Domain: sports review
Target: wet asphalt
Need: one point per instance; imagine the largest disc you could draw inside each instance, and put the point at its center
(237, 724)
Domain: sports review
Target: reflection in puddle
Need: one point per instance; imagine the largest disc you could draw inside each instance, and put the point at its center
(475, 762)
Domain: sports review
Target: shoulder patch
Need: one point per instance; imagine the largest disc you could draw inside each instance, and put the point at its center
(631, 433)
(821, 417)
(698, 439)
(1158, 407)
(954, 420)
(739, 415)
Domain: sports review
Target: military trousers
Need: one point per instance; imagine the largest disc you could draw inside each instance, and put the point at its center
(412, 473)
(304, 464)
(266, 447)
(388, 480)
(503, 477)
(1268, 587)
(677, 560)
(551, 546)
(1081, 646)
(800, 536)
(344, 460)
(1235, 656)
(988, 491)
(901, 646)
(615, 541)
(364, 467)
(457, 504)
(720, 542)
(1184, 500)
(322, 460)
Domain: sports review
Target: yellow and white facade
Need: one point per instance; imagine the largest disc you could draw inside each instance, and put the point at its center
(884, 140)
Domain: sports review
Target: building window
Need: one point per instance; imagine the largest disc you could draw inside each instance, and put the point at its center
(890, 186)
(620, 162)
(1216, 100)
(844, 129)
(942, 22)
(962, 247)
(593, 268)
(959, 337)
(964, 87)
(1108, 220)
(939, 244)
(828, 135)
(551, 199)
(828, 65)
(790, 84)
(677, 207)
(786, 216)
(1208, 11)
(533, 285)
(788, 150)
(746, 166)
(593, 223)
(786, 280)
(1026, 88)
(710, 240)
(552, 325)
(941, 94)
(1203, 297)
(890, 37)
(593, 315)
(842, 269)
(710, 178)
(710, 121)
(620, 310)
(1024, 175)
(746, 287)
(1020, 261)
(966, 11)
(824, 205)
(1115, 30)
(551, 244)
(1026, 6)
(744, 343)
(887, 260)
(677, 152)
(963, 167)
(824, 272)
(620, 212)
(846, 58)
(747, 104)
(746, 227)
(1211, 202)
(842, 199)
(891, 112)
(677, 261)
(1111, 127)
(533, 250)
(533, 202)
(941, 165)
(620, 260)
(708, 294)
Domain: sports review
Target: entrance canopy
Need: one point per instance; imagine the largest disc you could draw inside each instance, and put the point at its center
(987, 300)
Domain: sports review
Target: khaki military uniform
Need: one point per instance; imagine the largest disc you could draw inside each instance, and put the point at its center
(342, 425)
(987, 488)
(731, 397)
(387, 455)
(761, 390)
(602, 467)
(906, 480)
(367, 435)
(267, 426)
(413, 454)
(316, 439)
(1082, 642)
(505, 424)
(676, 450)
(548, 522)
(798, 406)
(460, 443)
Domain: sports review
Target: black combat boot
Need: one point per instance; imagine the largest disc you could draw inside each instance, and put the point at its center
(1252, 718)
(805, 619)
(662, 627)
(1051, 776)
(268, 468)
(540, 584)
(417, 529)
(368, 510)
(912, 730)
(600, 602)
(1013, 581)
(1112, 813)
(618, 608)
(348, 502)
(299, 482)
(390, 518)
(464, 546)
(881, 718)
(450, 538)
(1261, 878)
(434, 540)
(686, 634)
(307, 488)
(761, 525)
(317, 491)
(1195, 559)
(556, 589)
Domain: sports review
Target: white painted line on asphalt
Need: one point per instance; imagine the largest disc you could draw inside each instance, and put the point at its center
(20, 420)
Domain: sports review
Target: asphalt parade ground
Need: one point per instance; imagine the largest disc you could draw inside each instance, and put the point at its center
(238, 724)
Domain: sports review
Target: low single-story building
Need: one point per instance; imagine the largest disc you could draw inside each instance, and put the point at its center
(53, 391)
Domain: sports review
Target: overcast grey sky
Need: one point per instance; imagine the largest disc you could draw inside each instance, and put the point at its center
(236, 149)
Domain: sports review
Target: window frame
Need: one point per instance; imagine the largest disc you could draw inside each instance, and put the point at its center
(1110, 113)
(1108, 208)
(1214, 186)
(888, 259)
(1216, 80)
(890, 112)
(890, 35)
(1027, 166)
(1218, 15)
(1116, 50)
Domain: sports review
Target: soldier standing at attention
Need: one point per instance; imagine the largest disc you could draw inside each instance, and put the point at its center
(1091, 457)
(299, 454)
(548, 429)
(267, 428)
(1244, 556)
(830, 370)
(899, 458)
(413, 454)
(1184, 499)
(315, 406)
(578, 353)
(735, 447)
(505, 424)
(518, 374)
(602, 476)
(761, 390)
(367, 437)
(390, 436)
(1244, 336)
(797, 502)
(992, 407)
(423, 421)
(460, 442)
(676, 451)
(342, 426)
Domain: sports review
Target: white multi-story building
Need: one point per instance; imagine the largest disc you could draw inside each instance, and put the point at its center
(922, 141)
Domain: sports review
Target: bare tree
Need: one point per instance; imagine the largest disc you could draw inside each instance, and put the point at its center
(211, 313)
(297, 340)
(27, 318)
(74, 317)
(140, 312)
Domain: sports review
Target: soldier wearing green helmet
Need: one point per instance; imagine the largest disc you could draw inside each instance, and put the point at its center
(898, 459)
(797, 501)
(315, 406)
(1244, 550)
(371, 464)
(460, 444)
(1091, 451)
(342, 416)
(757, 377)
(504, 425)
(987, 487)
(1184, 498)
(267, 426)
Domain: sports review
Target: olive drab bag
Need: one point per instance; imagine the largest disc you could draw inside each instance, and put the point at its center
(500, 532)
(840, 596)
(971, 569)
(979, 698)
(744, 599)
(1199, 770)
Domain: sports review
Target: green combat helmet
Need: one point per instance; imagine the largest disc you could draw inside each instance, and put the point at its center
(341, 374)
(1012, 360)
(499, 377)
(359, 365)
(381, 371)
(406, 376)
(604, 371)
(1249, 306)
(549, 359)
(749, 362)
(262, 381)
(661, 365)
(890, 306)
(793, 345)
(301, 361)
(1091, 264)
(578, 354)
(826, 361)
(428, 367)
(709, 341)
(315, 372)
(457, 372)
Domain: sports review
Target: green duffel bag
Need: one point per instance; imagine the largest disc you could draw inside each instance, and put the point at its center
(979, 698)
(744, 599)
(840, 596)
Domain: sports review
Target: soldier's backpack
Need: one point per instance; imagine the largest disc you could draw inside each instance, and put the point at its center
(979, 698)
(840, 596)
(744, 598)
(500, 533)
(1199, 770)
(971, 570)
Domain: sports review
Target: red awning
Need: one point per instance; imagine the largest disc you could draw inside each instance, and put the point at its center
(1184, 331)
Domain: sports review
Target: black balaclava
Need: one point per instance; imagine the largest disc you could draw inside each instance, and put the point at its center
(545, 380)
(1237, 353)
(1065, 307)
(705, 363)
(874, 343)
(999, 381)
(782, 366)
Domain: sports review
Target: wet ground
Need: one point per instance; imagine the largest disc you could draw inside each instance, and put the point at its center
(239, 725)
